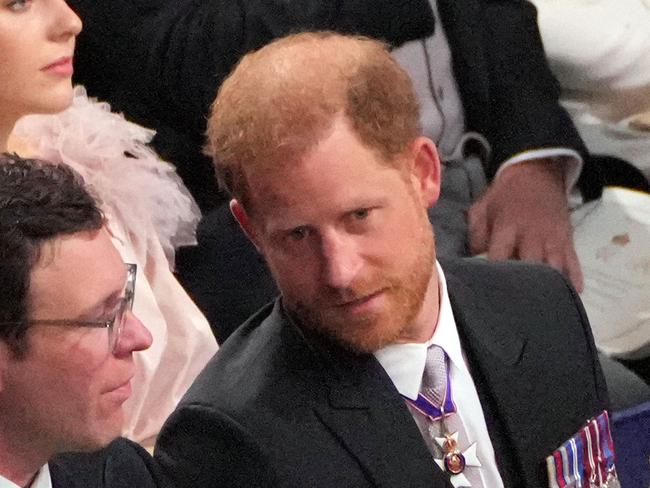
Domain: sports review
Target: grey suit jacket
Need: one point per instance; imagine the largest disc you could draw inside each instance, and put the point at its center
(277, 407)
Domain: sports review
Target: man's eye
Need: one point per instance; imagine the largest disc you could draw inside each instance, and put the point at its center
(109, 316)
(18, 5)
(299, 233)
(361, 213)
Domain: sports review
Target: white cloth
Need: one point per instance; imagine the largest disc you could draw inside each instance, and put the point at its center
(612, 240)
(405, 363)
(428, 62)
(149, 213)
(42, 480)
(600, 52)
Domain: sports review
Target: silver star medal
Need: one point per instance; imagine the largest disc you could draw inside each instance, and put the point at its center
(612, 480)
(454, 460)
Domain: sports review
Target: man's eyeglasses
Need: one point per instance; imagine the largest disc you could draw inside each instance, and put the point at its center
(114, 324)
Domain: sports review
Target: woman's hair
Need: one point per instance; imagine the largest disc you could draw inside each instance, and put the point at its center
(280, 100)
(39, 201)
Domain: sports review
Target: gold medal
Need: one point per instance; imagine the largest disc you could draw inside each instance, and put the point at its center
(454, 459)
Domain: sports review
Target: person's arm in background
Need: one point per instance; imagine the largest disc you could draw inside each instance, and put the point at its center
(524, 215)
(524, 212)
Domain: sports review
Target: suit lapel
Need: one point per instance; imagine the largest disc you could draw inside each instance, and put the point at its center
(522, 407)
(366, 414)
(529, 362)
(494, 357)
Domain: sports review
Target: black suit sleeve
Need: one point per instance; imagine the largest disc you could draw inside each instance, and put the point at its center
(523, 94)
(199, 446)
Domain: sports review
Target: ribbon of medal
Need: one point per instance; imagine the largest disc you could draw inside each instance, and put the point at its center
(586, 460)
(454, 460)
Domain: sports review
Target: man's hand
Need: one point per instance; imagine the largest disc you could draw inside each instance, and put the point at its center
(524, 214)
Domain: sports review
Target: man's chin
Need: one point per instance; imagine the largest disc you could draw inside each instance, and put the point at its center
(99, 437)
(91, 443)
(359, 336)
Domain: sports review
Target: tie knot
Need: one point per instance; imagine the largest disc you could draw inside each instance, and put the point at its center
(435, 380)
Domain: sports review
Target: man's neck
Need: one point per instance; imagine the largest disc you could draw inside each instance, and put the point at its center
(19, 464)
(19, 478)
(426, 320)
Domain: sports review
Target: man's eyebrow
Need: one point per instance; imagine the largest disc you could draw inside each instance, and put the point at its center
(367, 202)
(280, 225)
(101, 306)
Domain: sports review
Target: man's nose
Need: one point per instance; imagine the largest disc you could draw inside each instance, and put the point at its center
(341, 260)
(134, 337)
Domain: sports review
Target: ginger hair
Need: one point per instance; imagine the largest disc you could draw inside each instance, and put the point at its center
(281, 100)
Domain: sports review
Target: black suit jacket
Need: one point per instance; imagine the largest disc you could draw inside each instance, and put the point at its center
(508, 91)
(122, 464)
(277, 407)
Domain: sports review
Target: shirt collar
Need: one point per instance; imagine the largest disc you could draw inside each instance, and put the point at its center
(42, 480)
(405, 362)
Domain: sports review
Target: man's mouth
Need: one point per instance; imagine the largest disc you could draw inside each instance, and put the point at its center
(362, 303)
(121, 392)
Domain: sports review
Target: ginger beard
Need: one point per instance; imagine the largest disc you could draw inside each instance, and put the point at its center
(404, 292)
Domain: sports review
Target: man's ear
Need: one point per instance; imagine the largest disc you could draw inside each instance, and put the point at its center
(426, 169)
(239, 212)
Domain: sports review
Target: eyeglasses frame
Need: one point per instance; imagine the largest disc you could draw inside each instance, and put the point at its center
(126, 305)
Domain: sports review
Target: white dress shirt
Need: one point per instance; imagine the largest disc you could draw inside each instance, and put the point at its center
(429, 64)
(42, 480)
(405, 363)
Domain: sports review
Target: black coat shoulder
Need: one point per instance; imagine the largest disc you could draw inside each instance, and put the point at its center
(121, 464)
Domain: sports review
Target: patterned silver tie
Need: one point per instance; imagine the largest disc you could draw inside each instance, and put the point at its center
(434, 381)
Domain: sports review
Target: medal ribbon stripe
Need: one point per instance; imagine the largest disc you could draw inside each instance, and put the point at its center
(608, 443)
(424, 406)
(565, 466)
(590, 465)
(559, 471)
(586, 460)
(576, 455)
(552, 472)
(600, 470)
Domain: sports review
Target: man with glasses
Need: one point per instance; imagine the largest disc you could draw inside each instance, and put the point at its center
(67, 336)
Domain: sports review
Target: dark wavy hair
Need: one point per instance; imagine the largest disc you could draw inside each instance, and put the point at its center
(38, 202)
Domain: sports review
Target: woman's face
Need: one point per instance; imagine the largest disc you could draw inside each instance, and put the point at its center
(37, 40)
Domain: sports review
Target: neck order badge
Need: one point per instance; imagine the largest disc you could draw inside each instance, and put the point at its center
(436, 404)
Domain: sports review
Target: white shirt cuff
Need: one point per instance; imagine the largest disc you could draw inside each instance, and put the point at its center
(571, 159)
